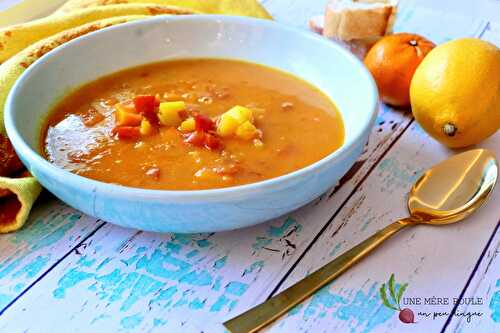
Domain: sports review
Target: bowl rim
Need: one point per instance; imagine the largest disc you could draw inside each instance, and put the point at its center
(81, 182)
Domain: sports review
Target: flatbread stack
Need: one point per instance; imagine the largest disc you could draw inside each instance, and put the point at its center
(22, 44)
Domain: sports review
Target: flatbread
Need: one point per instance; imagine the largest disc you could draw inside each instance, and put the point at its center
(14, 39)
(227, 7)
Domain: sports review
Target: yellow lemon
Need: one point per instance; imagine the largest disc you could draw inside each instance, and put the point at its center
(455, 92)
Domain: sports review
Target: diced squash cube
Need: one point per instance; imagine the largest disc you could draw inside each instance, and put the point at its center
(188, 125)
(246, 131)
(146, 128)
(227, 125)
(241, 114)
(124, 118)
(169, 113)
(172, 106)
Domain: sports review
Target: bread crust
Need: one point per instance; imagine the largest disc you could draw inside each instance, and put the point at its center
(347, 20)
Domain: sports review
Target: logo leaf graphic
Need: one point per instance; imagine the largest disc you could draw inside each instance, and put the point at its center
(392, 289)
(383, 296)
(401, 291)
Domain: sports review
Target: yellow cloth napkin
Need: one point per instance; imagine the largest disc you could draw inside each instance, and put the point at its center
(22, 44)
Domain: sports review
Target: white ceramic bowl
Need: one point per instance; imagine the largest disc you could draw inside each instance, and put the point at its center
(323, 63)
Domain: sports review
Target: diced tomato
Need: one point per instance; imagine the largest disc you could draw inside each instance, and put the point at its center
(145, 104)
(203, 123)
(212, 142)
(127, 132)
(183, 114)
(196, 138)
(152, 117)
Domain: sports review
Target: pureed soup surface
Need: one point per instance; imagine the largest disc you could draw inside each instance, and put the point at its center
(192, 124)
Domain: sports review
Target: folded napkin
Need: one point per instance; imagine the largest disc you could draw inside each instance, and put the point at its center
(23, 44)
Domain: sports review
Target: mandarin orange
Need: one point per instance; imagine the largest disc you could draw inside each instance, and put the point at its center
(393, 61)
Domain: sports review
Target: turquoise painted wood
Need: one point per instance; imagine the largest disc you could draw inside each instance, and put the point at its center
(68, 272)
(481, 303)
(53, 230)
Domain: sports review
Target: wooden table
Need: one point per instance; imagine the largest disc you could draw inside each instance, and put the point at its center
(66, 272)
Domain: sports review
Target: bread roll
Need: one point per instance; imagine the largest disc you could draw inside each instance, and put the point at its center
(348, 20)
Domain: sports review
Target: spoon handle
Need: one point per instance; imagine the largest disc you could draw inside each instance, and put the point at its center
(267, 312)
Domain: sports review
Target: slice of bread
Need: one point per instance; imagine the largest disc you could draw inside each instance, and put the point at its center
(347, 20)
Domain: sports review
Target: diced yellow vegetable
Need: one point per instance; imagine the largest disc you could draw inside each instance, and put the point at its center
(188, 125)
(169, 113)
(124, 118)
(227, 125)
(241, 114)
(246, 131)
(146, 128)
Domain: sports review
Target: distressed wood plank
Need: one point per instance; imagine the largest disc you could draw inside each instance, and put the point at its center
(479, 309)
(53, 229)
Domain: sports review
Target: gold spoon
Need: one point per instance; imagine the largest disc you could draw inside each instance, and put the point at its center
(447, 193)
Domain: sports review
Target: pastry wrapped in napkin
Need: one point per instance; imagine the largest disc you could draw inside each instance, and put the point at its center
(18, 192)
(23, 44)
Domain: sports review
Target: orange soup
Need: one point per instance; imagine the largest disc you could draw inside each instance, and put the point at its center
(190, 125)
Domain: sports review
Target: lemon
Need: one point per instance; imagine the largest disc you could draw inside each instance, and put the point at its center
(455, 92)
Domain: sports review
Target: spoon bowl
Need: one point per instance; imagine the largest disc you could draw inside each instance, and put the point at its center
(453, 189)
